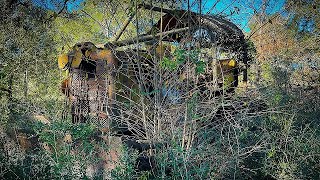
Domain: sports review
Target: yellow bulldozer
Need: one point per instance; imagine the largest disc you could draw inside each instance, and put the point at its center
(182, 53)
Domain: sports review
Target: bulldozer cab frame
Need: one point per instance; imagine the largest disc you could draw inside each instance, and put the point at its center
(208, 35)
(192, 30)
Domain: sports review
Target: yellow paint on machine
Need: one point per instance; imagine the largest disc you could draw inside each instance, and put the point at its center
(101, 54)
(232, 63)
(77, 58)
(63, 61)
(229, 62)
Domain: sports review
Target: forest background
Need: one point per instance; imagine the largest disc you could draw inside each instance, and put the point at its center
(281, 142)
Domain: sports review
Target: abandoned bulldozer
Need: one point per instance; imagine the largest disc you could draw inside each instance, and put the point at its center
(184, 53)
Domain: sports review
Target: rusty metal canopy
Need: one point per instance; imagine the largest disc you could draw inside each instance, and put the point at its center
(175, 23)
(181, 25)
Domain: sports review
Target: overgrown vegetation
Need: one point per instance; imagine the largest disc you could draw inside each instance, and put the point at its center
(266, 129)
